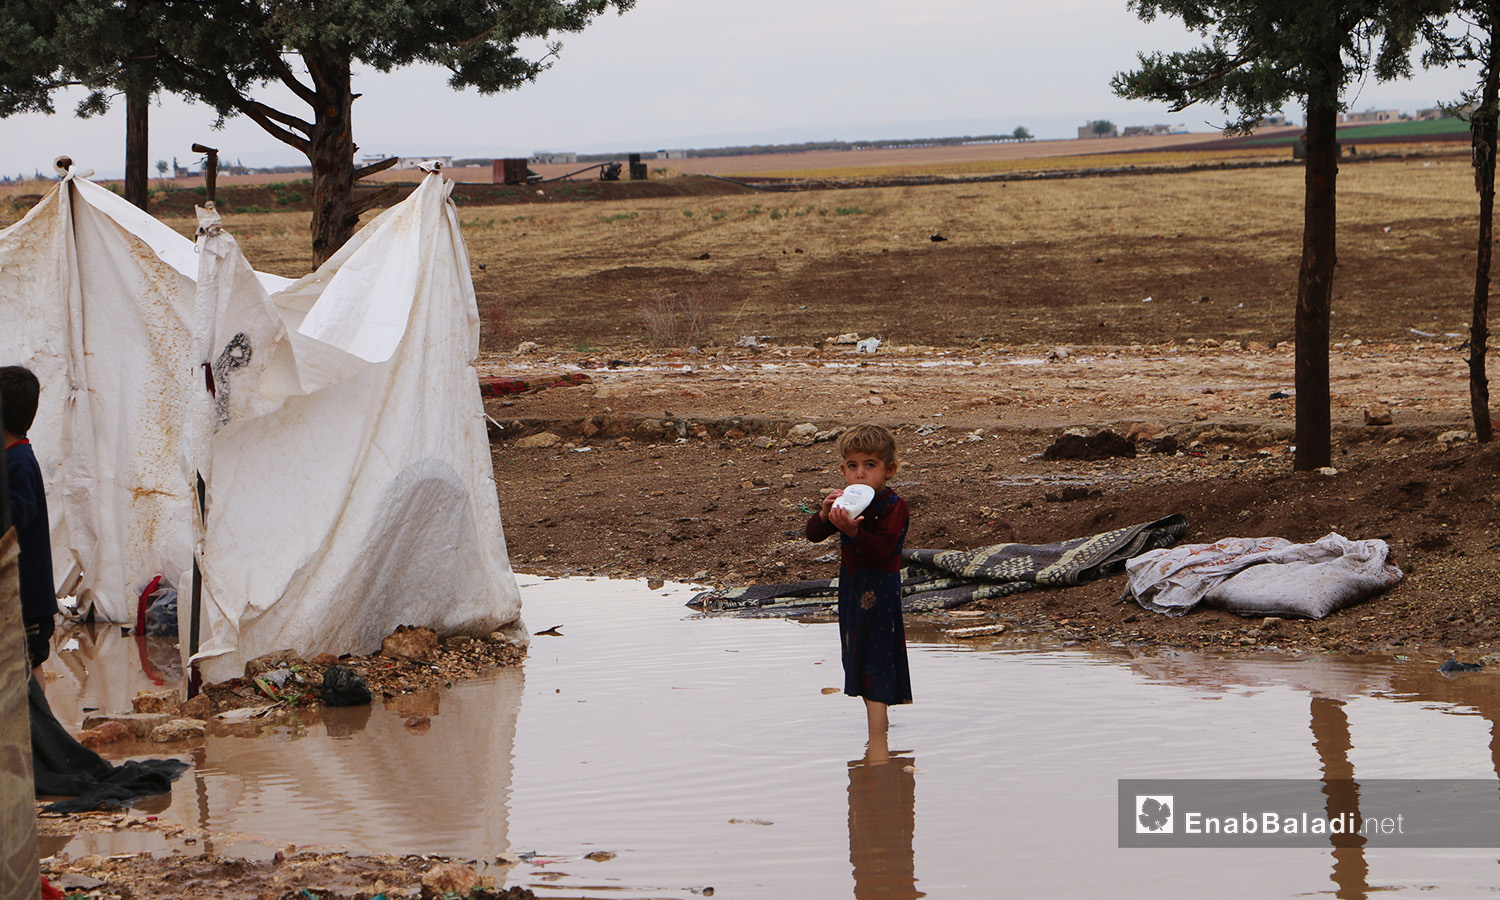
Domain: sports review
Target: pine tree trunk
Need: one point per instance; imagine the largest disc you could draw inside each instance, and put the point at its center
(331, 152)
(1484, 176)
(137, 116)
(1315, 279)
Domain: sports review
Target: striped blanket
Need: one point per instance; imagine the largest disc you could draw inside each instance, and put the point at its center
(943, 579)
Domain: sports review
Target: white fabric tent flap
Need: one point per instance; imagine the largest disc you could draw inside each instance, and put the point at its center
(347, 464)
(365, 498)
(96, 303)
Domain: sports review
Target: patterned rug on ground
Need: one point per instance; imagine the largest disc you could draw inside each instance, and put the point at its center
(943, 579)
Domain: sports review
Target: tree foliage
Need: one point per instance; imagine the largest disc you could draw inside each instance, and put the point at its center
(1258, 55)
(222, 51)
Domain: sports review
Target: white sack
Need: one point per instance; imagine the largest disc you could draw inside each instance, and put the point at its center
(365, 499)
(1266, 576)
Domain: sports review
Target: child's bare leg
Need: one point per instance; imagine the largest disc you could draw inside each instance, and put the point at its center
(875, 715)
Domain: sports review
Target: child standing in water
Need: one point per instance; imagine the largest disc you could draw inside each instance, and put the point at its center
(870, 628)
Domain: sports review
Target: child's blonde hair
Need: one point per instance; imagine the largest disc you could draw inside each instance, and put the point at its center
(871, 439)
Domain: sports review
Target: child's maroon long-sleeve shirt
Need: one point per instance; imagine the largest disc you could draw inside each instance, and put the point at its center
(877, 544)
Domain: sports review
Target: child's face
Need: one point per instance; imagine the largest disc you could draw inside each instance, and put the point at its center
(864, 468)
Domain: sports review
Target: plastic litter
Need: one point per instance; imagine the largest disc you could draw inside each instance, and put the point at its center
(855, 498)
(342, 687)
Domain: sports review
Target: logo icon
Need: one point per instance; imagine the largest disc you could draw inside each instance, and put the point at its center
(1153, 813)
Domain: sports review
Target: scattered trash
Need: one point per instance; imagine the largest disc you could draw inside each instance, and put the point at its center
(868, 345)
(1059, 353)
(245, 713)
(748, 340)
(495, 386)
(935, 238)
(342, 687)
(975, 631)
(1147, 300)
(1279, 395)
(750, 822)
(827, 691)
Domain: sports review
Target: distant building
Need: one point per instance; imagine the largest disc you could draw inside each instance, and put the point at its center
(554, 159)
(412, 162)
(1089, 131)
(671, 154)
(405, 162)
(1274, 122)
(1145, 130)
(1438, 112)
(1372, 116)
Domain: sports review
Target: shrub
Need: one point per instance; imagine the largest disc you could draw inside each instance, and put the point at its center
(679, 318)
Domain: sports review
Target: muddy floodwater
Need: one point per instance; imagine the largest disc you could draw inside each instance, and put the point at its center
(642, 751)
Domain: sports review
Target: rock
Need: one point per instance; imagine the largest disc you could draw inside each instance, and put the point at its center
(199, 707)
(614, 389)
(1059, 353)
(178, 730)
(830, 434)
(138, 725)
(445, 879)
(324, 660)
(748, 341)
(538, 441)
(105, 733)
(1144, 431)
(1453, 665)
(805, 433)
(1452, 437)
(168, 702)
(408, 642)
(1377, 414)
(848, 337)
(279, 659)
(526, 347)
(1328, 471)
(1103, 445)
(419, 724)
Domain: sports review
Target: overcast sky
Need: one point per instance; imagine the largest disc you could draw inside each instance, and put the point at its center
(700, 73)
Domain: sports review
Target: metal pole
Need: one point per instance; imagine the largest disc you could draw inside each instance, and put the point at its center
(195, 678)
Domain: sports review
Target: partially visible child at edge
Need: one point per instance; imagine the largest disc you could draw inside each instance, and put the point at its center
(870, 627)
(19, 392)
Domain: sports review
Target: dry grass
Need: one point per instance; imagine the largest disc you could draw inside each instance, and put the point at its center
(798, 265)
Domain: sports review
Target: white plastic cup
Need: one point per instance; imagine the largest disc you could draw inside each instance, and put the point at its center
(855, 498)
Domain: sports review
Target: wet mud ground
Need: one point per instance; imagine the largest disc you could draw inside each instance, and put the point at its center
(684, 468)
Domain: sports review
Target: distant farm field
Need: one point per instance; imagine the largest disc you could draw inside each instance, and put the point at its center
(1098, 260)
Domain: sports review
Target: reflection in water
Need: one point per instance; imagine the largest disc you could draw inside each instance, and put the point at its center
(882, 821)
(1332, 740)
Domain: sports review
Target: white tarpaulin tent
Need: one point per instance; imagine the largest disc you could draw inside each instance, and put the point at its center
(349, 483)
